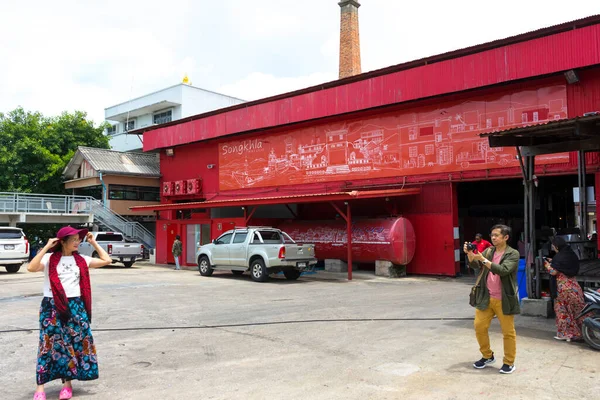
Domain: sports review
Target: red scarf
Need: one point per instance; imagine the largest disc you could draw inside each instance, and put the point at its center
(61, 302)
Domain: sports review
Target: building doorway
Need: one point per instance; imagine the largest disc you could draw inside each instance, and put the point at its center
(196, 236)
(486, 203)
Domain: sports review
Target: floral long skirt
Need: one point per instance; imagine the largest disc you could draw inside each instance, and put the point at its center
(567, 306)
(66, 350)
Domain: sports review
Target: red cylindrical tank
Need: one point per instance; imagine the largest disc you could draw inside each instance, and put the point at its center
(391, 239)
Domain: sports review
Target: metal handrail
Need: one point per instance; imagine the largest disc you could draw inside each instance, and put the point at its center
(116, 222)
(68, 204)
(40, 203)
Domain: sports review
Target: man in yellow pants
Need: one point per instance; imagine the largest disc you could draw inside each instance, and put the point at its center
(497, 296)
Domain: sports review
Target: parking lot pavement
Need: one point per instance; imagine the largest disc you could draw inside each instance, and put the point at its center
(171, 334)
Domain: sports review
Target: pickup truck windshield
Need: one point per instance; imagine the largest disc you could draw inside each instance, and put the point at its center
(104, 237)
(271, 237)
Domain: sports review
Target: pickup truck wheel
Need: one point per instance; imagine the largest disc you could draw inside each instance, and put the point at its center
(12, 268)
(292, 274)
(258, 270)
(236, 272)
(204, 266)
(128, 264)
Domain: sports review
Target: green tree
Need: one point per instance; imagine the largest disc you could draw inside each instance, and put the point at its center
(35, 149)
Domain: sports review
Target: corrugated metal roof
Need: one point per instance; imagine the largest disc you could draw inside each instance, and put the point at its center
(545, 126)
(565, 135)
(298, 198)
(115, 162)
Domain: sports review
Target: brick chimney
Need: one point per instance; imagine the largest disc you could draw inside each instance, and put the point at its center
(349, 39)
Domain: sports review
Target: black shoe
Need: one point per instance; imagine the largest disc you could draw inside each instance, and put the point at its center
(507, 369)
(484, 362)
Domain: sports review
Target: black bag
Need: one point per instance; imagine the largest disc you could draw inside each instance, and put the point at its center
(475, 289)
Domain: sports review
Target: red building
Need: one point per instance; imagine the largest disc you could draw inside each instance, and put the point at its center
(410, 126)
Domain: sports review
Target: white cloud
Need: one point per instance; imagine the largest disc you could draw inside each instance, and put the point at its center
(258, 85)
(276, 19)
(66, 60)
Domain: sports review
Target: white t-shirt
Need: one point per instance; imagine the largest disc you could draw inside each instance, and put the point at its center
(68, 273)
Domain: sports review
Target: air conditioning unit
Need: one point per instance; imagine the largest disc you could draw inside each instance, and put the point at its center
(180, 187)
(194, 186)
(167, 189)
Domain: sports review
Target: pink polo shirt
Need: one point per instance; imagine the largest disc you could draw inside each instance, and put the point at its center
(494, 284)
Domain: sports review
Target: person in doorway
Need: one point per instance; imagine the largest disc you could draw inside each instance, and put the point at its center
(566, 292)
(176, 250)
(66, 348)
(481, 244)
(497, 297)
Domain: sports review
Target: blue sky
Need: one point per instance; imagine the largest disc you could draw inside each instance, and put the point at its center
(67, 55)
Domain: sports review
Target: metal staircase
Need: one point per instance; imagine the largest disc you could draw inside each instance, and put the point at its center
(112, 220)
(50, 208)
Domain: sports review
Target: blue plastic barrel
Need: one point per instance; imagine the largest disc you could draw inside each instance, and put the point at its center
(522, 280)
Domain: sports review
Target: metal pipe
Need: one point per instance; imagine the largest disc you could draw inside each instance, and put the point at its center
(349, 238)
(538, 278)
(532, 221)
(103, 190)
(526, 225)
(581, 170)
(348, 218)
(520, 158)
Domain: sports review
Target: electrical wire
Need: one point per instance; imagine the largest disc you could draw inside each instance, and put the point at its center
(253, 324)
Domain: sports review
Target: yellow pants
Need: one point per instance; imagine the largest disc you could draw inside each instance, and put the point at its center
(507, 323)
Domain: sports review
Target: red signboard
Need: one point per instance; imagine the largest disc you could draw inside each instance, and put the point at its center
(425, 140)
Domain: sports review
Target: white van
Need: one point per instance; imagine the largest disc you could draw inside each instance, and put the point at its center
(14, 248)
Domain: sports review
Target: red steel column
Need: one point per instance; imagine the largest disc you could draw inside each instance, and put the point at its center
(349, 240)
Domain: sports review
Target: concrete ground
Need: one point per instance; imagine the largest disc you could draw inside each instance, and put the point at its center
(171, 334)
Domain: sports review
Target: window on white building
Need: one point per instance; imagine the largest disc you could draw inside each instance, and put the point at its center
(163, 117)
(129, 125)
(111, 130)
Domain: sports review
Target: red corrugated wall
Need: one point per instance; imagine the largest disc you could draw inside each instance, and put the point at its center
(584, 96)
(191, 161)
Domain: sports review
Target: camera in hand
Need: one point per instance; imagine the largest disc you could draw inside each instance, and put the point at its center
(471, 247)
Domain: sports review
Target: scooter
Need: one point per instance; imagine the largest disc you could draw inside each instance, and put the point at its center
(591, 325)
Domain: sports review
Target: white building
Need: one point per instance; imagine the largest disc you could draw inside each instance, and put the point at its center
(166, 105)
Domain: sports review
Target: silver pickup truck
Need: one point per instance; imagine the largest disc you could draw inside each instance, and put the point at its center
(116, 246)
(261, 250)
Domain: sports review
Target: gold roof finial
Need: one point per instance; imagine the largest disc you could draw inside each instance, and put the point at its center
(186, 80)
